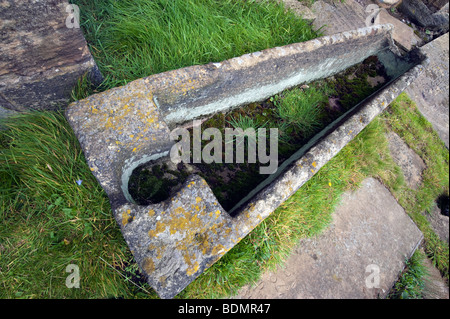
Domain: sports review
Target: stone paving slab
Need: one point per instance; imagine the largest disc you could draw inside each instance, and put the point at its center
(403, 34)
(339, 16)
(439, 222)
(298, 8)
(411, 163)
(434, 287)
(370, 234)
(42, 55)
(431, 90)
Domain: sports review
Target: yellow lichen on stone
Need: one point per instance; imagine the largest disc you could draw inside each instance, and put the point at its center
(162, 280)
(193, 266)
(159, 250)
(126, 217)
(192, 270)
(186, 221)
(159, 228)
(218, 249)
(149, 265)
(151, 212)
(179, 210)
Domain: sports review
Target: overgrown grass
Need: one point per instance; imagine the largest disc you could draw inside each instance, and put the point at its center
(244, 123)
(49, 221)
(404, 118)
(302, 108)
(131, 39)
(412, 281)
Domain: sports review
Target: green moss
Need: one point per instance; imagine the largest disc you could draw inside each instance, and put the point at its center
(156, 184)
(352, 86)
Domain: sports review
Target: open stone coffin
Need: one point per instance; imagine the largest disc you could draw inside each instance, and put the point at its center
(174, 241)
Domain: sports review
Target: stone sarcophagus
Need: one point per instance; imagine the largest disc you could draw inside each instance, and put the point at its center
(175, 240)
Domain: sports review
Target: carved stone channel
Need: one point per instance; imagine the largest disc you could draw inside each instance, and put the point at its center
(174, 241)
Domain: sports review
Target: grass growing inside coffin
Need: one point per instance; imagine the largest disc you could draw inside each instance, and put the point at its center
(297, 113)
(131, 39)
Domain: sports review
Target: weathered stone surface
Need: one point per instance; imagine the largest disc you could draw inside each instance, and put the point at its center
(444, 9)
(176, 240)
(221, 86)
(368, 228)
(439, 222)
(339, 17)
(40, 58)
(419, 13)
(435, 287)
(119, 129)
(402, 34)
(430, 90)
(411, 163)
(299, 9)
(389, 2)
(438, 4)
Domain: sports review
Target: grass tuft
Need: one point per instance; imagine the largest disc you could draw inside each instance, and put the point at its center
(131, 39)
(302, 108)
(412, 281)
(50, 221)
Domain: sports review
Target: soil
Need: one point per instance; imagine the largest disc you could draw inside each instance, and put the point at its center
(231, 182)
